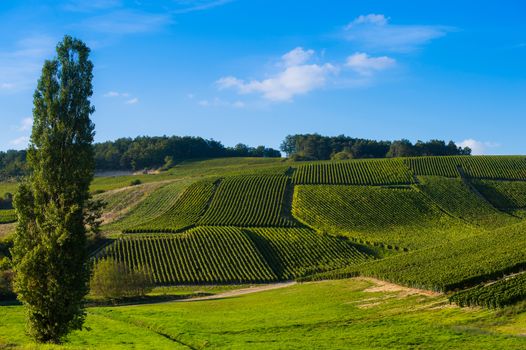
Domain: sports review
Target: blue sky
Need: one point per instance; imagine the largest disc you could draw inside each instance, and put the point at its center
(253, 71)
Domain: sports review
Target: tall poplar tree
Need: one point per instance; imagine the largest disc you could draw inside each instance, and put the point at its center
(50, 254)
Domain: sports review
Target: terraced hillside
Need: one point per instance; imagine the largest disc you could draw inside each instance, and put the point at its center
(356, 172)
(153, 205)
(505, 292)
(458, 264)
(400, 217)
(480, 167)
(505, 195)
(233, 255)
(447, 222)
(457, 198)
(185, 212)
(249, 201)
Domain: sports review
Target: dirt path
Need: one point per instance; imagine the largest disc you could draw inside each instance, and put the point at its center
(383, 286)
(237, 292)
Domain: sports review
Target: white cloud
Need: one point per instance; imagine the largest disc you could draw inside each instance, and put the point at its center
(478, 147)
(26, 124)
(217, 102)
(297, 78)
(116, 94)
(7, 86)
(132, 101)
(296, 57)
(19, 141)
(374, 32)
(370, 19)
(364, 64)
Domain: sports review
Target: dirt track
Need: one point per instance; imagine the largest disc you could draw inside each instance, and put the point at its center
(237, 292)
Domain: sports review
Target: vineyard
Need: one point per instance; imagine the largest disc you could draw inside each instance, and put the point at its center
(453, 265)
(299, 252)
(483, 167)
(184, 213)
(503, 194)
(499, 294)
(150, 207)
(354, 172)
(456, 198)
(7, 216)
(233, 255)
(249, 201)
(439, 223)
(396, 217)
(203, 255)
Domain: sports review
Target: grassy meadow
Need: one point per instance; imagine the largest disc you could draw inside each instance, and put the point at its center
(343, 314)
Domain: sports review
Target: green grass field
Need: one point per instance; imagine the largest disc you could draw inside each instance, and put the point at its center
(344, 314)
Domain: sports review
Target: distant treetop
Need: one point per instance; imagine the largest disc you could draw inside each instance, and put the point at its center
(318, 147)
(145, 152)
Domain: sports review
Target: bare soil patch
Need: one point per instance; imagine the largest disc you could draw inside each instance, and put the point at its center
(382, 286)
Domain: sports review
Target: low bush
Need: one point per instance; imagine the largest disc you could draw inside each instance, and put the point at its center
(114, 280)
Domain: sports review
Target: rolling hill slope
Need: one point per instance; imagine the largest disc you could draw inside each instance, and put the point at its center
(447, 222)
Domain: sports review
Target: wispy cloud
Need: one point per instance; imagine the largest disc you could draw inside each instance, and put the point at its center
(123, 22)
(186, 6)
(21, 141)
(124, 97)
(116, 94)
(25, 124)
(297, 78)
(217, 102)
(20, 67)
(375, 32)
(6, 86)
(364, 64)
(479, 147)
(91, 5)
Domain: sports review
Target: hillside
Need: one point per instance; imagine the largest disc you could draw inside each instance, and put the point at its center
(439, 223)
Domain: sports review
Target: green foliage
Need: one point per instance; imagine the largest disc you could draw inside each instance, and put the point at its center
(7, 216)
(507, 291)
(113, 280)
(484, 167)
(49, 254)
(93, 217)
(234, 255)
(185, 212)
(318, 147)
(354, 172)
(135, 182)
(249, 201)
(158, 151)
(397, 217)
(503, 194)
(456, 197)
(452, 265)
